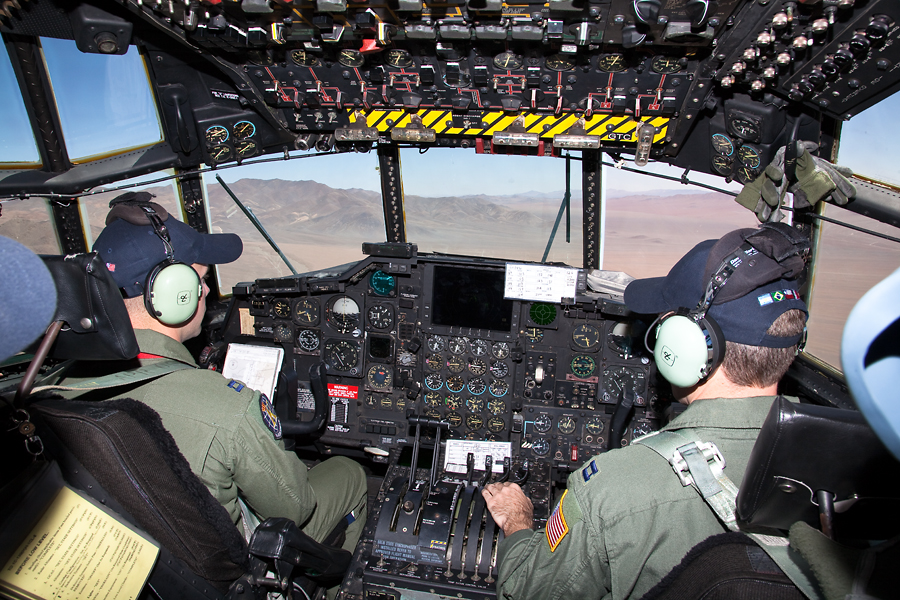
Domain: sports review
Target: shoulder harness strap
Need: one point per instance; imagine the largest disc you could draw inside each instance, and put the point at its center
(145, 372)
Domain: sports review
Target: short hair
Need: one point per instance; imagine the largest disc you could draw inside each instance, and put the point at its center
(758, 366)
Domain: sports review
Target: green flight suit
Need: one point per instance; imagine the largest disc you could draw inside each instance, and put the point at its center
(626, 519)
(219, 427)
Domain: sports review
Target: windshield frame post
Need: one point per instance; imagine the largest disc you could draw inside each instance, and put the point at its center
(592, 204)
(392, 193)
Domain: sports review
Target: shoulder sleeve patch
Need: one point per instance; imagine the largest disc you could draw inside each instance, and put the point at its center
(269, 417)
(589, 471)
(557, 528)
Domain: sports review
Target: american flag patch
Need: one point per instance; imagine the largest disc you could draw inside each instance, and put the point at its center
(556, 525)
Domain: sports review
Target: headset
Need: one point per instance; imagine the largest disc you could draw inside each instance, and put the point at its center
(173, 289)
(689, 343)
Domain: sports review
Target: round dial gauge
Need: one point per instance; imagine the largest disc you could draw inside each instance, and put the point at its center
(382, 283)
(665, 64)
(496, 424)
(744, 128)
(436, 344)
(477, 386)
(534, 334)
(497, 407)
(749, 156)
(722, 164)
(507, 60)
(618, 379)
(308, 340)
(399, 58)
(401, 403)
(594, 425)
(434, 362)
(474, 422)
(221, 153)
(434, 381)
(260, 57)
(351, 58)
(722, 144)
(246, 147)
(306, 312)
(455, 419)
(475, 404)
(498, 388)
(540, 447)
(500, 350)
(344, 314)
(479, 347)
(611, 63)
(371, 400)
(243, 130)
(566, 424)
(432, 413)
(559, 62)
(745, 174)
(456, 364)
(433, 399)
(283, 333)
(304, 58)
(380, 377)
(386, 402)
(583, 366)
(499, 369)
(542, 423)
(586, 336)
(217, 134)
(281, 308)
(454, 402)
(380, 316)
(641, 429)
(542, 313)
(477, 366)
(341, 355)
(455, 383)
(458, 345)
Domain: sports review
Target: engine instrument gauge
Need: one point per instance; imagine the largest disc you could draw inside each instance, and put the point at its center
(745, 174)
(611, 63)
(559, 62)
(434, 381)
(243, 130)
(749, 156)
(458, 345)
(308, 340)
(722, 164)
(542, 423)
(351, 58)
(217, 134)
(341, 355)
(456, 364)
(432, 413)
(382, 283)
(477, 386)
(304, 58)
(386, 403)
(477, 366)
(436, 343)
(455, 419)
(306, 312)
(281, 308)
(744, 128)
(399, 58)
(566, 424)
(722, 144)
(434, 362)
(455, 384)
(582, 366)
(540, 447)
(534, 334)
(343, 314)
(433, 399)
(507, 60)
(498, 388)
(400, 404)
(453, 402)
(499, 369)
(586, 336)
(474, 422)
(246, 148)
(497, 407)
(283, 334)
(594, 425)
(479, 347)
(380, 316)
(665, 64)
(475, 404)
(380, 377)
(641, 429)
(500, 350)
(221, 153)
(542, 313)
(496, 424)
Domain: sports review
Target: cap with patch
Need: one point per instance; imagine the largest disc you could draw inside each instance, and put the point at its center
(761, 288)
(131, 248)
(27, 297)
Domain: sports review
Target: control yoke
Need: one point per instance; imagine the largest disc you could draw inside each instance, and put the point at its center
(318, 383)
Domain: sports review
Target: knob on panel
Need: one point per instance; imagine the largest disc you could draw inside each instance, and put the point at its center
(647, 11)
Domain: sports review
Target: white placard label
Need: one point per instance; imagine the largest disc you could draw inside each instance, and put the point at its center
(458, 451)
(540, 283)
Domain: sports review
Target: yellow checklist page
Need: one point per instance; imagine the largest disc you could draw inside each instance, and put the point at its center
(78, 551)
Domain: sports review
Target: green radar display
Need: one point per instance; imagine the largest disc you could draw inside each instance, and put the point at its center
(382, 283)
(542, 313)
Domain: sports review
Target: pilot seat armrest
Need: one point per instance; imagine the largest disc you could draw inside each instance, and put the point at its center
(280, 539)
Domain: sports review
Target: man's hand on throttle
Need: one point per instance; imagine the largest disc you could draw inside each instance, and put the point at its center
(510, 507)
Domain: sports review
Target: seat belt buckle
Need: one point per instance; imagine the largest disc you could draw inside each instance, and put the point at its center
(711, 455)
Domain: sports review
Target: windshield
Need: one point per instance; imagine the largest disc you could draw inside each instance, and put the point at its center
(17, 145)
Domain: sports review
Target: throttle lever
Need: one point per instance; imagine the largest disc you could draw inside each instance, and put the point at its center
(521, 473)
(506, 469)
(488, 470)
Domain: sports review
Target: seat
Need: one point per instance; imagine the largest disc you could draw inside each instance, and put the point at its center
(118, 452)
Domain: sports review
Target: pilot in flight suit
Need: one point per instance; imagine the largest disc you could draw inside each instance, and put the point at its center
(229, 434)
(625, 519)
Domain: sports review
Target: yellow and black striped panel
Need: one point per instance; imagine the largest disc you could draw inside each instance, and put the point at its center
(610, 128)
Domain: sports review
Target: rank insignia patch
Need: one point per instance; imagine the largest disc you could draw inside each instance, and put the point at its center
(269, 417)
(556, 525)
(589, 471)
(236, 385)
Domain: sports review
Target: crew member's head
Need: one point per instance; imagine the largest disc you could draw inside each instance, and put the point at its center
(161, 264)
(27, 297)
(732, 302)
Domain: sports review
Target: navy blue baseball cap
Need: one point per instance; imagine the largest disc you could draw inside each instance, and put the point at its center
(131, 248)
(27, 297)
(759, 291)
